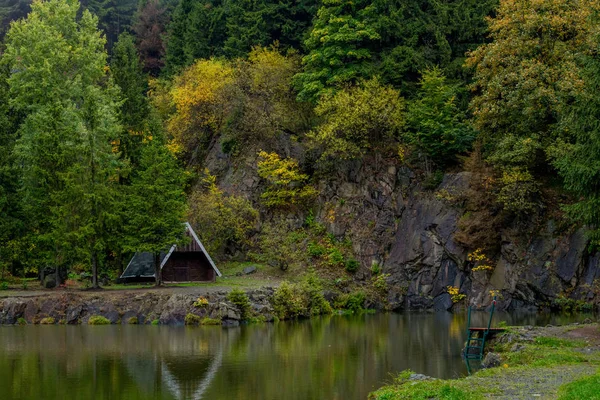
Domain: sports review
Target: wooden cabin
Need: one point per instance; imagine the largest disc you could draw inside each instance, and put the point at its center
(187, 263)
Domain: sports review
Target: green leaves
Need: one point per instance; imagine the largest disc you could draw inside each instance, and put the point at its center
(339, 49)
(357, 118)
(436, 127)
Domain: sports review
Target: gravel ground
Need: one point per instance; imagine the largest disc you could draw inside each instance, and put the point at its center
(539, 383)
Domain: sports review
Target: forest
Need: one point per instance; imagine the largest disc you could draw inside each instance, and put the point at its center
(117, 116)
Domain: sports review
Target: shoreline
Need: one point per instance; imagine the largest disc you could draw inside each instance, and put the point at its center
(553, 362)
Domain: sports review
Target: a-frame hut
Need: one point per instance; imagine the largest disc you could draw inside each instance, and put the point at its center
(188, 263)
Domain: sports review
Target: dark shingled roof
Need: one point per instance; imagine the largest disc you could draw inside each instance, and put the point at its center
(141, 265)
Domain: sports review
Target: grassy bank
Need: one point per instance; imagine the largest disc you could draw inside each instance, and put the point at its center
(546, 363)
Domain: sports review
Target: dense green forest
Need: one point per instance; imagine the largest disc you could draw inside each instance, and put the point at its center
(110, 110)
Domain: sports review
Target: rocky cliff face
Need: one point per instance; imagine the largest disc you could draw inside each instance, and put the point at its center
(410, 231)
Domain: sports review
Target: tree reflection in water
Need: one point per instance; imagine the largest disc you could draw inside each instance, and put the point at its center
(325, 358)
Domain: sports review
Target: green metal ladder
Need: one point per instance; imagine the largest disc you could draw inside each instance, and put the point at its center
(476, 337)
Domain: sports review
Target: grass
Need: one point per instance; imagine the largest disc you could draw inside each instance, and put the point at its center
(47, 321)
(584, 388)
(545, 359)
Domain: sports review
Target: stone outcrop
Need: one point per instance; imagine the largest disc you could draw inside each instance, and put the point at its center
(143, 308)
(409, 232)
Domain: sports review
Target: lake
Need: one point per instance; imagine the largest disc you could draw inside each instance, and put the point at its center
(337, 357)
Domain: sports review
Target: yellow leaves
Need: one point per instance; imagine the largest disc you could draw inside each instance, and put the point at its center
(482, 263)
(358, 117)
(198, 95)
(287, 185)
(455, 294)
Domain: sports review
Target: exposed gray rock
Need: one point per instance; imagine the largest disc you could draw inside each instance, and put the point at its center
(491, 360)
(443, 302)
(420, 377)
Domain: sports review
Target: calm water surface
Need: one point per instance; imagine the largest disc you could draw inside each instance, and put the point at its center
(326, 358)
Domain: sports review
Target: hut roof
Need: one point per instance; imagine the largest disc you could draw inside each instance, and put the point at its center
(142, 263)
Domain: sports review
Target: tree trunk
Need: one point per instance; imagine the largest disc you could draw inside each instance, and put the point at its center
(157, 270)
(94, 270)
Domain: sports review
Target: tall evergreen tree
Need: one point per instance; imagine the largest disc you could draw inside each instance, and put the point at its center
(339, 48)
(11, 218)
(129, 76)
(58, 80)
(155, 204)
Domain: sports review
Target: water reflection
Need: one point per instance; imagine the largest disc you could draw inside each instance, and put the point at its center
(326, 358)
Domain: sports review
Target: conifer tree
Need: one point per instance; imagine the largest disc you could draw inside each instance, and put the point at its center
(339, 48)
(59, 82)
(129, 76)
(155, 204)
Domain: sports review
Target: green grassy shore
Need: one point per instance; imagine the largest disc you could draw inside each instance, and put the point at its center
(546, 363)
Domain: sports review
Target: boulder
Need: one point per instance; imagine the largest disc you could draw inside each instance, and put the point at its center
(491, 360)
(250, 270)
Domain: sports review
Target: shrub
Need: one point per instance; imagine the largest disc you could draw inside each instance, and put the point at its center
(335, 257)
(155, 322)
(287, 186)
(226, 220)
(312, 288)
(98, 320)
(210, 321)
(375, 268)
(351, 265)
(201, 302)
(380, 283)
(192, 319)
(240, 299)
(315, 250)
(21, 321)
(4, 285)
(353, 302)
(132, 321)
(358, 118)
(288, 302)
(47, 321)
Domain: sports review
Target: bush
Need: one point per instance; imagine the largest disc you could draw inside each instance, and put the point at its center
(240, 299)
(98, 320)
(380, 283)
(353, 302)
(21, 321)
(132, 321)
(335, 257)
(287, 186)
(201, 302)
(315, 250)
(47, 321)
(288, 302)
(210, 321)
(352, 265)
(192, 319)
(4, 285)
(155, 322)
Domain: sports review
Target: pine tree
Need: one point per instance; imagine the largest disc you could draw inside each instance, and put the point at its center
(155, 204)
(59, 82)
(135, 111)
(339, 48)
